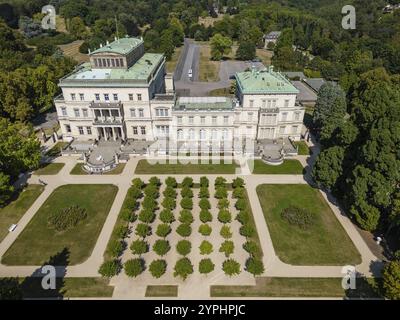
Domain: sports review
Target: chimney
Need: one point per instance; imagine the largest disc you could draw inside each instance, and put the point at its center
(101, 45)
(89, 50)
(107, 42)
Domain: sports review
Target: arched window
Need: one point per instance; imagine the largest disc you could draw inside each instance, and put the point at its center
(180, 134)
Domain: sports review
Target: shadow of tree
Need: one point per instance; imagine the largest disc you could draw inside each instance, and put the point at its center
(366, 288)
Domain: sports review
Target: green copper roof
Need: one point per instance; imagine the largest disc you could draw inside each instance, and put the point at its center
(265, 81)
(141, 71)
(120, 46)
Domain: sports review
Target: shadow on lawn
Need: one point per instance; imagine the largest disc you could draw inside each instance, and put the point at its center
(31, 287)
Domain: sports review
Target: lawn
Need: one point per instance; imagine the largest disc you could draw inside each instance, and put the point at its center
(325, 242)
(39, 241)
(265, 56)
(49, 169)
(14, 211)
(304, 150)
(55, 151)
(161, 291)
(287, 167)
(221, 92)
(78, 169)
(144, 167)
(298, 287)
(208, 69)
(171, 64)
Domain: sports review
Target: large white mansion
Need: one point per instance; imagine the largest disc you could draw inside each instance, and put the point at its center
(125, 94)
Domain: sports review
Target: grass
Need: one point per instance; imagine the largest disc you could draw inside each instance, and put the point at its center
(38, 241)
(323, 243)
(171, 64)
(65, 287)
(299, 287)
(265, 56)
(221, 92)
(144, 167)
(287, 167)
(72, 50)
(208, 69)
(304, 150)
(55, 151)
(14, 211)
(161, 291)
(78, 169)
(49, 169)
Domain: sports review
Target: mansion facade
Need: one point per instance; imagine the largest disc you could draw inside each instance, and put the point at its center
(125, 94)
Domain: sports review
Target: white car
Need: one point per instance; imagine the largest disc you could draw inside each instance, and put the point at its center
(190, 73)
(12, 228)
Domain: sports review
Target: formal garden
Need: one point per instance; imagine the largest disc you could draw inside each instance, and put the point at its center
(178, 229)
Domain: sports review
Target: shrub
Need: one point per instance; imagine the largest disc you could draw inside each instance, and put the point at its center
(138, 183)
(204, 204)
(143, 230)
(171, 182)
(238, 193)
(163, 230)
(149, 203)
(220, 193)
(205, 229)
(121, 231)
(110, 268)
(298, 217)
(187, 203)
(204, 182)
(243, 217)
(227, 247)
(184, 230)
(223, 203)
(224, 216)
(134, 267)
(128, 215)
(241, 204)
(169, 192)
(205, 216)
(183, 268)
(151, 191)
(139, 247)
(183, 247)
(186, 192)
(246, 230)
(254, 266)
(204, 193)
(169, 203)
(206, 266)
(206, 247)
(185, 216)
(134, 193)
(130, 203)
(226, 232)
(231, 267)
(161, 247)
(67, 218)
(167, 216)
(147, 215)
(251, 247)
(115, 248)
(187, 182)
(237, 182)
(157, 268)
(219, 181)
(154, 181)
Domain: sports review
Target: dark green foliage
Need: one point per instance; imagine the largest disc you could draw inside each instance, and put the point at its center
(221, 192)
(204, 204)
(149, 203)
(147, 215)
(157, 268)
(161, 247)
(237, 182)
(187, 182)
(143, 230)
(243, 217)
(183, 268)
(154, 181)
(206, 266)
(184, 230)
(226, 232)
(110, 268)
(187, 203)
(238, 193)
(139, 247)
(205, 229)
(223, 203)
(204, 182)
(151, 191)
(205, 247)
(251, 247)
(204, 193)
(219, 182)
(167, 216)
(134, 267)
(246, 230)
(183, 247)
(186, 192)
(169, 192)
(298, 217)
(231, 267)
(163, 230)
(224, 216)
(115, 248)
(241, 204)
(205, 216)
(137, 183)
(169, 203)
(227, 247)
(171, 182)
(67, 218)
(254, 266)
(185, 216)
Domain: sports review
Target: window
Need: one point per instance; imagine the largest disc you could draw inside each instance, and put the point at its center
(135, 130)
(133, 113)
(141, 113)
(64, 111)
(297, 116)
(251, 103)
(76, 112)
(226, 119)
(97, 96)
(117, 62)
(282, 130)
(162, 130)
(143, 130)
(73, 96)
(162, 112)
(284, 116)
(115, 95)
(263, 103)
(269, 103)
(81, 130)
(89, 130)
(81, 96)
(180, 134)
(191, 134)
(104, 63)
(294, 129)
(250, 116)
(273, 103)
(139, 97)
(68, 128)
(286, 103)
(202, 119)
(113, 62)
(214, 134)
(121, 62)
(99, 62)
(214, 120)
(106, 97)
(130, 95)
(191, 119)
(85, 113)
(108, 63)
(179, 120)
(202, 134)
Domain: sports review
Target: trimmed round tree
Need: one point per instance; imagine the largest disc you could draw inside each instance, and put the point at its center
(238, 193)
(204, 193)
(220, 193)
(237, 182)
(241, 204)
(205, 216)
(225, 232)
(251, 247)
(186, 192)
(149, 203)
(184, 230)
(161, 247)
(139, 247)
(122, 231)
(143, 230)
(187, 182)
(206, 247)
(187, 203)
(183, 247)
(110, 268)
(219, 181)
(205, 229)
(223, 203)
(243, 217)
(163, 230)
(231, 267)
(169, 203)
(134, 267)
(224, 216)
(169, 192)
(183, 268)
(204, 204)
(115, 248)
(171, 182)
(157, 268)
(254, 266)
(151, 191)
(147, 215)
(246, 230)
(155, 181)
(391, 280)
(204, 182)
(227, 247)
(185, 216)
(167, 216)
(206, 266)
(138, 183)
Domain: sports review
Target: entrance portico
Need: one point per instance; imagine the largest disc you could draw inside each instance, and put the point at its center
(110, 133)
